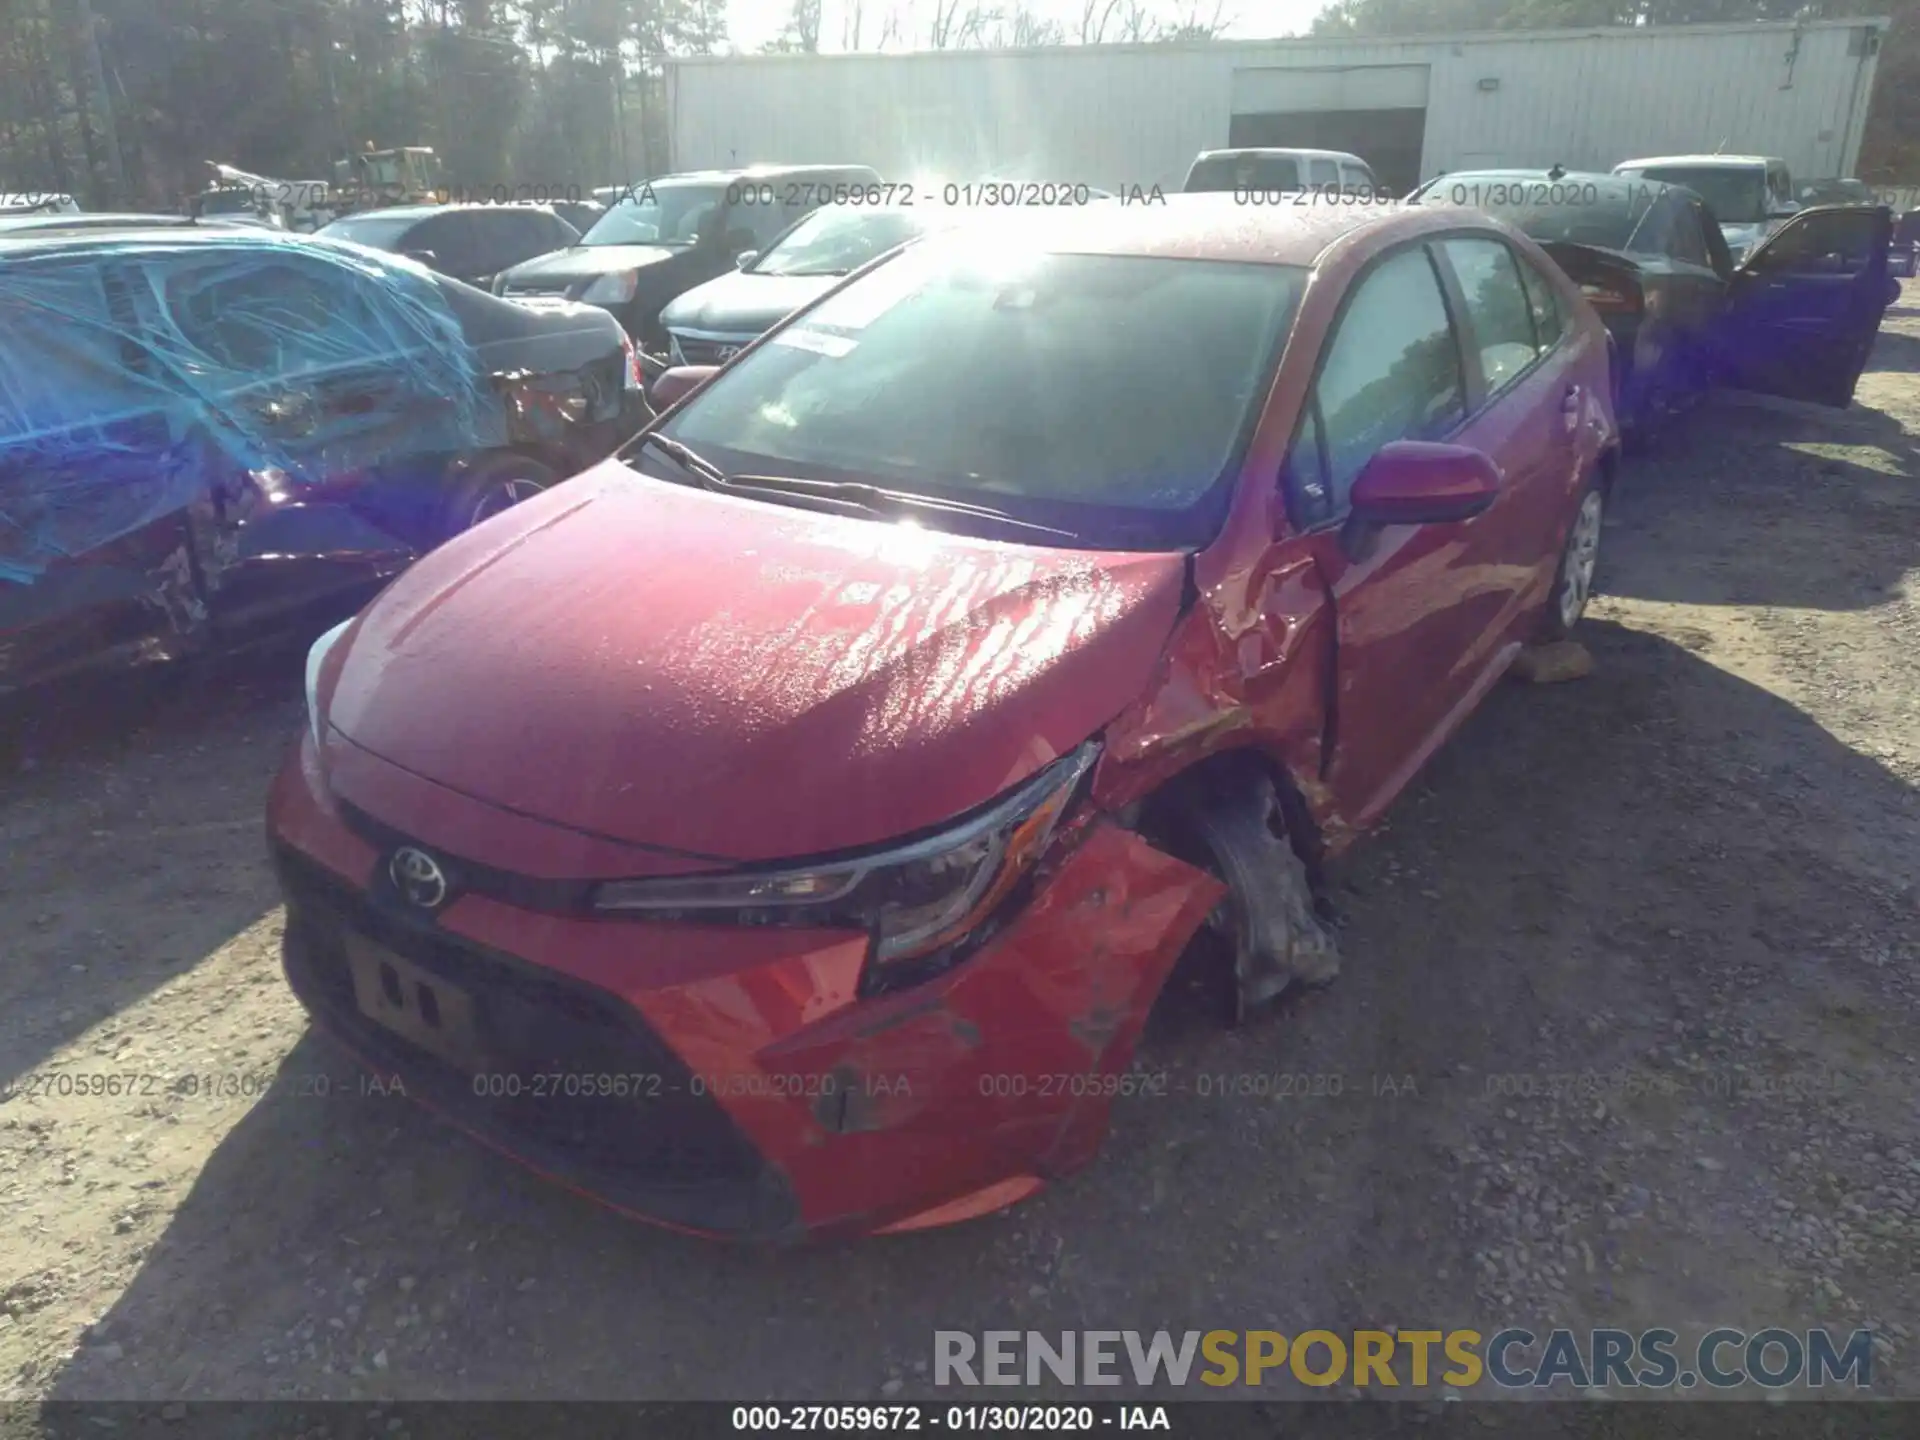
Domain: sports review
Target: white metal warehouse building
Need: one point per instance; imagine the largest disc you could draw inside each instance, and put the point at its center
(1120, 115)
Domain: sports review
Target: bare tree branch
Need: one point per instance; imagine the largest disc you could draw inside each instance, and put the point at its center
(946, 14)
(1094, 18)
(1137, 23)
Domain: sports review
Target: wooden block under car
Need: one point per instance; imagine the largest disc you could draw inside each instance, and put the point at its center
(1550, 664)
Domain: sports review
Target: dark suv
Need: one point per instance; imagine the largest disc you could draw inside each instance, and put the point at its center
(208, 433)
(662, 237)
(473, 243)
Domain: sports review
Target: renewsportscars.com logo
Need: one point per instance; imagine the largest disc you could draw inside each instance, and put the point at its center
(1511, 1359)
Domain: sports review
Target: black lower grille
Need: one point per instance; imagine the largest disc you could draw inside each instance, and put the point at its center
(655, 1145)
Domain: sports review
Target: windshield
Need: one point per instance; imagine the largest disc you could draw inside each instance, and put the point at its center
(1605, 213)
(1103, 395)
(1244, 172)
(658, 215)
(837, 241)
(383, 169)
(1837, 192)
(1736, 196)
(377, 232)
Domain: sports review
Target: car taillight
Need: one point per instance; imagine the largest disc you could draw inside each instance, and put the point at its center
(1612, 299)
(636, 377)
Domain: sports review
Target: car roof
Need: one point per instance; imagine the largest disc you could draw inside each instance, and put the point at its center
(96, 220)
(1598, 179)
(1727, 162)
(22, 243)
(1255, 151)
(745, 172)
(1212, 226)
(422, 212)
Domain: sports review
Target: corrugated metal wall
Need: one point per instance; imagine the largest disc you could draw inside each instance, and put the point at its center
(1114, 115)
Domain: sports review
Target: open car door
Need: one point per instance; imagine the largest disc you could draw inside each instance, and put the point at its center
(1804, 306)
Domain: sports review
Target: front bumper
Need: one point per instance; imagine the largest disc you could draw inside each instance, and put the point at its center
(785, 1106)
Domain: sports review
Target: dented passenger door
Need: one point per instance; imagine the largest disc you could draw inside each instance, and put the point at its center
(1391, 371)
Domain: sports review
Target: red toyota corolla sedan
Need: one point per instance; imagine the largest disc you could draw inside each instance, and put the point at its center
(786, 827)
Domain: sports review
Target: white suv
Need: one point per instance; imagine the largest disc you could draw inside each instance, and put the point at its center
(1285, 172)
(1748, 194)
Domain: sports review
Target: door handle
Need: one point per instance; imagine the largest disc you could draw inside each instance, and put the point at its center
(1570, 402)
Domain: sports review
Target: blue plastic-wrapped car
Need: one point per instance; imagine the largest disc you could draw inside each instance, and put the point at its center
(207, 433)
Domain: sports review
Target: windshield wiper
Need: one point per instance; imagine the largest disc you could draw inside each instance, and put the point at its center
(883, 503)
(690, 460)
(844, 494)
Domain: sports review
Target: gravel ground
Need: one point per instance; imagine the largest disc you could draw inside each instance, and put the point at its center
(1626, 1035)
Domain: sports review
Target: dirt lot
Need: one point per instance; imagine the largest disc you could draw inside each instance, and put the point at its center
(1689, 877)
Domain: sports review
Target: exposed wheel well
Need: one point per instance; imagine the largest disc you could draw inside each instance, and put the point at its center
(1271, 931)
(1608, 471)
(1229, 772)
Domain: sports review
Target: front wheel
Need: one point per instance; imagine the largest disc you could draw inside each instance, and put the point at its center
(1579, 560)
(489, 485)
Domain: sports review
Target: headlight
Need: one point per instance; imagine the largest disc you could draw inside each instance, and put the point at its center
(611, 289)
(912, 899)
(316, 658)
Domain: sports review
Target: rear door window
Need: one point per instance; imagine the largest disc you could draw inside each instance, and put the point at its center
(1244, 172)
(1823, 243)
(275, 319)
(1499, 320)
(1780, 182)
(516, 235)
(1548, 326)
(1687, 242)
(456, 240)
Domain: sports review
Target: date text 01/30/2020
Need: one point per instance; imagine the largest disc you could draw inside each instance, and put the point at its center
(875, 1419)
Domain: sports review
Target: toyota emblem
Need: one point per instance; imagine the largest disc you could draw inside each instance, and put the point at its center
(418, 877)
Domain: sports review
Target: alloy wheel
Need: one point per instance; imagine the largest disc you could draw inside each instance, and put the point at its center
(502, 495)
(1581, 560)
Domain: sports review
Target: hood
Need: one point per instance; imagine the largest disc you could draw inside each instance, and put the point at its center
(585, 262)
(743, 303)
(742, 680)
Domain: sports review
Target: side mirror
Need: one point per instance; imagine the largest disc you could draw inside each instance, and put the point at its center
(745, 258)
(677, 383)
(1414, 482)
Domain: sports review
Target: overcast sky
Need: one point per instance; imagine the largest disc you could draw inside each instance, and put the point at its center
(751, 23)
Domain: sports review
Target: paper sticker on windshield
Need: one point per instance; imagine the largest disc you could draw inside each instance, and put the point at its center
(834, 347)
(858, 306)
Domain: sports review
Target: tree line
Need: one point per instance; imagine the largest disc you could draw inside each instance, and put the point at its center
(122, 102)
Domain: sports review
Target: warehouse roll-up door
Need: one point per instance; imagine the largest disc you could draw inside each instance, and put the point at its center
(1378, 112)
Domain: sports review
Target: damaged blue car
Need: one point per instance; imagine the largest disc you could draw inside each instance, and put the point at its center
(208, 435)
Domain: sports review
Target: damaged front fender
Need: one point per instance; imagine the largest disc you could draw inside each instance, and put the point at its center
(984, 1083)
